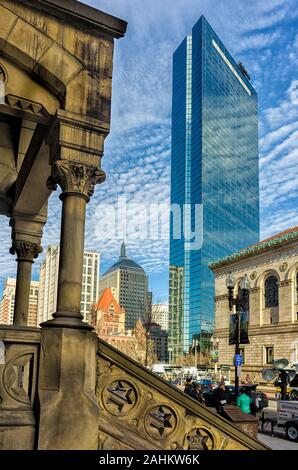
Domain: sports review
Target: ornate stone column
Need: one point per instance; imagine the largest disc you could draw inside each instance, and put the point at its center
(26, 237)
(77, 181)
(26, 252)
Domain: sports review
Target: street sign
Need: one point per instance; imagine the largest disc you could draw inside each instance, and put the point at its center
(238, 360)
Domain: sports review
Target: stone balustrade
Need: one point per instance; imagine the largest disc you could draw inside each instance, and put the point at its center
(139, 410)
(19, 357)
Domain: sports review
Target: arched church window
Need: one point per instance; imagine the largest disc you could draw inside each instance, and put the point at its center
(271, 292)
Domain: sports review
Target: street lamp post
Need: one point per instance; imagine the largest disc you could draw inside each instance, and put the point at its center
(240, 302)
(215, 358)
(195, 344)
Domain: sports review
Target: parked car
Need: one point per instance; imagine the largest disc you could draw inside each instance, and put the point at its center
(206, 384)
(251, 390)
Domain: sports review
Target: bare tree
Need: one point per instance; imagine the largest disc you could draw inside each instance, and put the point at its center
(144, 346)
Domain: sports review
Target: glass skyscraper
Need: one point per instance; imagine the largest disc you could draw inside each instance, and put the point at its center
(214, 168)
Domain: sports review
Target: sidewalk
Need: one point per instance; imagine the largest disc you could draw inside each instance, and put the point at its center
(277, 442)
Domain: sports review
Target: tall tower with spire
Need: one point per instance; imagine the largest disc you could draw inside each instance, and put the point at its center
(123, 251)
(129, 285)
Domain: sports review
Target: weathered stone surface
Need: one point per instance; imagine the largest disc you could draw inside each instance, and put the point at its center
(68, 407)
(138, 410)
(18, 377)
(58, 58)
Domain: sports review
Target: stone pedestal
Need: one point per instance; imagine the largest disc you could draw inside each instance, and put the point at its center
(68, 407)
(19, 357)
(246, 422)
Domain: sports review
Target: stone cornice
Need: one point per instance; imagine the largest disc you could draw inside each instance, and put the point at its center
(254, 290)
(80, 14)
(286, 282)
(262, 247)
(20, 334)
(274, 329)
(221, 297)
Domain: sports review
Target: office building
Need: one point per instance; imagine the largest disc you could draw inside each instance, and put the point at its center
(8, 300)
(159, 338)
(129, 285)
(160, 315)
(214, 175)
(49, 283)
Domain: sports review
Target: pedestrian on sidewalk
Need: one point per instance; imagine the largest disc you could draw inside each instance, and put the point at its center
(188, 386)
(221, 397)
(244, 401)
(197, 393)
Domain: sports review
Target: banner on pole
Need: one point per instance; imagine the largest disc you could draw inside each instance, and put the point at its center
(244, 318)
(233, 329)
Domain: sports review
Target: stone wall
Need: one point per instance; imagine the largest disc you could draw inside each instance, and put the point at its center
(278, 326)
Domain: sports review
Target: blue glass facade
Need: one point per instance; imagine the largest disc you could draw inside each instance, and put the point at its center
(214, 163)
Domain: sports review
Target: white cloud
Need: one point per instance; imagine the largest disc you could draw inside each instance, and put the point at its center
(275, 136)
(137, 153)
(258, 41)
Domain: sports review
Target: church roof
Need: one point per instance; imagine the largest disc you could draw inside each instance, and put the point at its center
(287, 236)
(106, 300)
(124, 262)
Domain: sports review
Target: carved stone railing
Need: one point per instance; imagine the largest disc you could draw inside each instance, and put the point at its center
(140, 411)
(19, 355)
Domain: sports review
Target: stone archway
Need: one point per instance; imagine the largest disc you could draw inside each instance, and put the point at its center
(55, 117)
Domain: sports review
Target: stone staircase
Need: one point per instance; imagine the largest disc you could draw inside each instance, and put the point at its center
(63, 388)
(139, 410)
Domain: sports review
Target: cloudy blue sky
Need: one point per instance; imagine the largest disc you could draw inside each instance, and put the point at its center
(262, 34)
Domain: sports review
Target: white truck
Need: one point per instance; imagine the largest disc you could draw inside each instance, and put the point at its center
(287, 417)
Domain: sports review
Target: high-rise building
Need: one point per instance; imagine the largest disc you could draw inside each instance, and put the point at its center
(8, 300)
(129, 285)
(160, 315)
(214, 169)
(48, 284)
(48, 288)
(159, 338)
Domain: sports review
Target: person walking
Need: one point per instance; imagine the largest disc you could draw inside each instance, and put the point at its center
(188, 389)
(220, 396)
(243, 401)
(197, 393)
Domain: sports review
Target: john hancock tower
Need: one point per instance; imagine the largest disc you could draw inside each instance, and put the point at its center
(214, 177)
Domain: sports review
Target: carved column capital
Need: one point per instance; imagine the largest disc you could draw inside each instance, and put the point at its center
(25, 251)
(75, 177)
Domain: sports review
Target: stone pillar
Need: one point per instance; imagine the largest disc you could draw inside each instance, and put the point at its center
(25, 252)
(255, 306)
(68, 408)
(286, 304)
(77, 181)
(26, 238)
